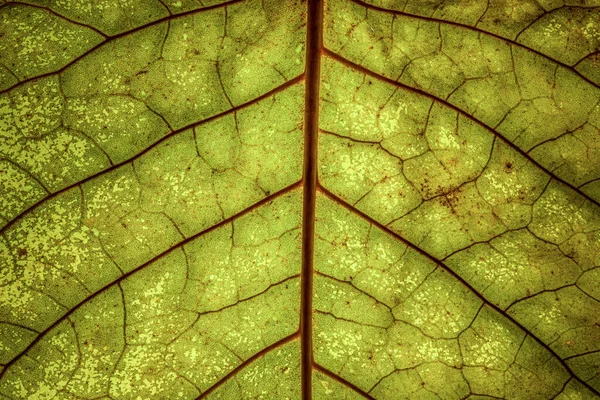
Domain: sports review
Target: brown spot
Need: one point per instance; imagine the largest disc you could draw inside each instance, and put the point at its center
(22, 252)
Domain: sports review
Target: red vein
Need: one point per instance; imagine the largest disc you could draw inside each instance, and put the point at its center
(243, 365)
(120, 35)
(51, 11)
(254, 296)
(390, 232)
(314, 45)
(582, 354)
(147, 149)
(28, 173)
(341, 380)
(390, 81)
(147, 263)
(479, 30)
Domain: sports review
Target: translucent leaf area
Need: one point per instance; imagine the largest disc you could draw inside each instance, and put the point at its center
(299, 199)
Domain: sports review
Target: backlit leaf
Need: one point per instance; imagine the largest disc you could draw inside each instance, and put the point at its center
(287, 199)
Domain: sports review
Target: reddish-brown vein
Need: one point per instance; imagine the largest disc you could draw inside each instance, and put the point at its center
(249, 361)
(28, 173)
(372, 143)
(355, 287)
(120, 35)
(582, 354)
(147, 149)
(147, 263)
(254, 296)
(351, 321)
(314, 44)
(51, 11)
(390, 81)
(341, 380)
(455, 275)
(479, 30)
(588, 182)
(595, 53)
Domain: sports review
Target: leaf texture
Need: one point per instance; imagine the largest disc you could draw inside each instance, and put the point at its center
(286, 199)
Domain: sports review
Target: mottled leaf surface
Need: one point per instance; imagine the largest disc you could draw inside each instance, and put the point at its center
(286, 199)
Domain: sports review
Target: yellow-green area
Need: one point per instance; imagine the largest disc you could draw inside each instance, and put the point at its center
(152, 200)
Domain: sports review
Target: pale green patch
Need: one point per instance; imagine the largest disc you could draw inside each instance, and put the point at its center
(33, 42)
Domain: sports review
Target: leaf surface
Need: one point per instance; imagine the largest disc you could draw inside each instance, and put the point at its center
(282, 199)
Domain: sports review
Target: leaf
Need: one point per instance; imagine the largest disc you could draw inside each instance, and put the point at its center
(283, 199)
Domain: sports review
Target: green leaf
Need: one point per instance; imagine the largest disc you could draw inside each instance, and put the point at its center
(285, 199)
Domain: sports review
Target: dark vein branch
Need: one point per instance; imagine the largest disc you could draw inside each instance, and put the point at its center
(582, 354)
(26, 172)
(341, 380)
(146, 150)
(390, 81)
(456, 276)
(120, 35)
(147, 263)
(51, 11)
(351, 321)
(479, 30)
(250, 360)
(595, 53)
(356, 288)
(245, 299)
(314, 45)
(589, 182)
(372, 143)
(20, 327)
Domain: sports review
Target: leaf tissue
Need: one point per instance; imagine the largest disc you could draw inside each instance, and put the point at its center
(299, 199)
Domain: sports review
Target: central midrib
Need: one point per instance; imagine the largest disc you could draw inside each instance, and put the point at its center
(314, 43)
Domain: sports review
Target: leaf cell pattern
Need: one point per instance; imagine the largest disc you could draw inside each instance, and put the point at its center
(286, 199)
